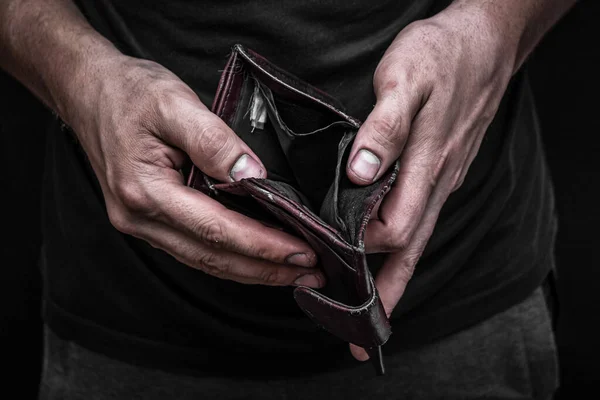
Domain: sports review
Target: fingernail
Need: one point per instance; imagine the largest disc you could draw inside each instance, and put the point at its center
(365, 165)
(308, 280)
(245, 167)
(300, 259)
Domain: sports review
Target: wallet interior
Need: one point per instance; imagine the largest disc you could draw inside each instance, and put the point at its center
(304, 147)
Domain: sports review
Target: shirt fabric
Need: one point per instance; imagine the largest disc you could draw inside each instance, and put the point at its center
(510, 355)
(110, 292)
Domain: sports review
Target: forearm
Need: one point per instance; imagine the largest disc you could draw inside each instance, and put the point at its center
(521, 24)
(50, 48)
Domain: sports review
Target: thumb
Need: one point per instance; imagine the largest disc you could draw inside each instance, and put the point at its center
(211, 145)
(382, 137)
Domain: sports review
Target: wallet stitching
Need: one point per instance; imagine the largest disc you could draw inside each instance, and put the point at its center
(355, 311)
(385, 188)
(226, 101)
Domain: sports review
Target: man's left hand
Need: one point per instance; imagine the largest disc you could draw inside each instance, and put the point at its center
(438, 87)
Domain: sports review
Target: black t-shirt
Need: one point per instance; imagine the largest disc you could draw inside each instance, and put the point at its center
(116, 294)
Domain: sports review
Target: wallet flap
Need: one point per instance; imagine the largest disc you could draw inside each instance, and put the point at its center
(365, 325)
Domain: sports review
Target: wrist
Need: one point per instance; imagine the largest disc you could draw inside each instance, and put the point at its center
(516, 25)
(51, 49)
(77, 89)
(490, 34)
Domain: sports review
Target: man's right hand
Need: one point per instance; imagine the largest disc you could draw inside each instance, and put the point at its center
(137, 123)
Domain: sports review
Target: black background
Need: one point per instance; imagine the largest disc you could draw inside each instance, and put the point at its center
(566, 77)
(565, 74)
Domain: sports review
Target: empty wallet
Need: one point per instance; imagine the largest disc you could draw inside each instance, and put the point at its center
(303, 137)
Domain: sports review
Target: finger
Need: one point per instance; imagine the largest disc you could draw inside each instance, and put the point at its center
(401, 209)
(227, 265)
(391, 282)
(382, 137)
(398, 268)
(166, 199)
(394, 275)
(358, 352)
(212, 146)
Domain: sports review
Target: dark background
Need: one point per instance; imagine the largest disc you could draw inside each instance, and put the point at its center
(566, 78)
(565, 73)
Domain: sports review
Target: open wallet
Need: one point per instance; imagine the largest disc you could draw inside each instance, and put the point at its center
(303, 137)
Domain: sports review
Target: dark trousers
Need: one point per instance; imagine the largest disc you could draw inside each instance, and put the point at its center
(509, 356)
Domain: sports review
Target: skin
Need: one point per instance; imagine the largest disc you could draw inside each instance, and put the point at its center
(438, 87)
(137, 121)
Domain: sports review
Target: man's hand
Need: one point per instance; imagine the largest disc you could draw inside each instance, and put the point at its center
(137, 129)
(438, 87)
(137, 122)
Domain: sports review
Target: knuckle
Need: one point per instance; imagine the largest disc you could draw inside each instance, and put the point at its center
(271, 276)
(458, 182)
(211, 232)
(214, 144)
(162, 102)
(457, 178)
(446, 170)
(397, 240)
(133, 197)
(394, 80)
(436, 170)
(121, 220)
(261, 252)
(406, 269)
(212, 264)
(391, 86)
(165, 100)
(385, 131)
